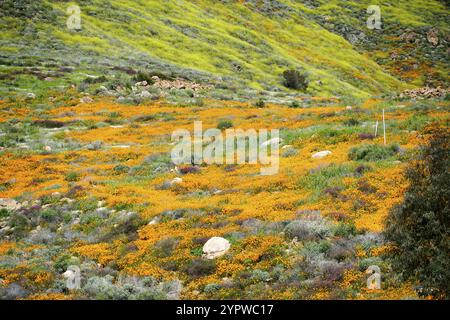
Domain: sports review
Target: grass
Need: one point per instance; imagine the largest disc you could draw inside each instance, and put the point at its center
(322, 178)
(173, 34)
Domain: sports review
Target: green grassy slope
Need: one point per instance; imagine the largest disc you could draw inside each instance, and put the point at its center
(207, 39)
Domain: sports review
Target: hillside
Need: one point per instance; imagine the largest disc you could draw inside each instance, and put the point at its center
(234, 44)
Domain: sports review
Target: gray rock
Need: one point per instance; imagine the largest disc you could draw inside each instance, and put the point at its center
(96, 145)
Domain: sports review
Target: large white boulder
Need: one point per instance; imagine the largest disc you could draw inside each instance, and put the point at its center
(321, 154)
(215, 247)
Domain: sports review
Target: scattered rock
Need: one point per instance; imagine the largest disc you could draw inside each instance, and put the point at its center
(178, 84)
(433, 36)
(122, 99)
(47, 148)
(154, 221)
(425, 92)
(96, 145)
(215, 247)
(176, 180)
(67, 200)
(86, 99)
(272, 141)
(31, 95)
(321, 154)
(409, 37)
(145, 94)
(141, 84)
(9, 204)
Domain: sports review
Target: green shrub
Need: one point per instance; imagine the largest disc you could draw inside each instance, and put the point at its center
(307, 229)
(164, 247)
(224, 124)
(4, 213)
(293, 79)
(49, 214)
(419, 226)
(72, 176)
(351, 122)
(295, 104)
(289, 152)
(372, 152)
(260, 103)
(211, 288)
(345, 230)
(322, 178)
(144, 76)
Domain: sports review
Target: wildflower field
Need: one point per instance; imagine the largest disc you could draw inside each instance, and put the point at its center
(87, 179)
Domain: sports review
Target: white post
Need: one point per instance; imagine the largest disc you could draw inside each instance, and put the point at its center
(384, 129)
(376, 128)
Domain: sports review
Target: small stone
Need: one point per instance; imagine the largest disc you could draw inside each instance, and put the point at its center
(67, 200)
(321, 154)
(275, 141)
(9, 204)
(86, 100)
(154, 221)
(176, 180)
(47, 148)
(96, 145)
(145, 94)
(31, 95)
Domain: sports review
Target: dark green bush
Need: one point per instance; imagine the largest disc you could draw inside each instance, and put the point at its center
(372, 152)
(295, 104)
(200, 267)
(419, 227)
(260, 103)
(293, 79)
